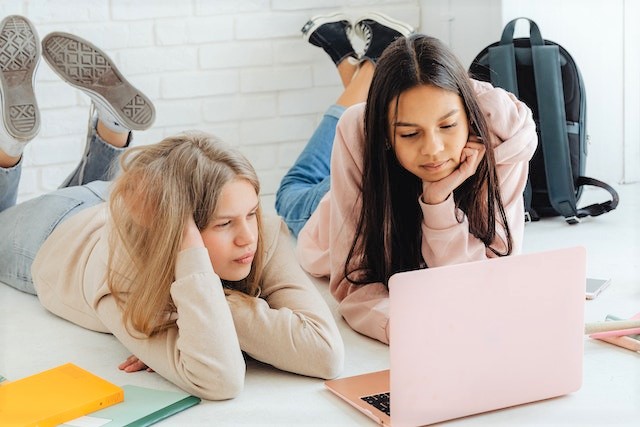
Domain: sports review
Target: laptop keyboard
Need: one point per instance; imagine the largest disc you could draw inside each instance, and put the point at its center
(379, 401)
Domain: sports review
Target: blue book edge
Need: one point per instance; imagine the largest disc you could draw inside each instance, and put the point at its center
(166, 412)
(134, 411)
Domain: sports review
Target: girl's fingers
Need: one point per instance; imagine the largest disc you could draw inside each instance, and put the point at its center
(474, 145)
(136, 366)
(469, 164)
(133, 364)
(129, 361)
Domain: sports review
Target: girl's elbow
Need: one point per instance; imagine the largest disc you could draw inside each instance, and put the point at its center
(332, 370)
(229, 386)
(221, 383)
(332, 362)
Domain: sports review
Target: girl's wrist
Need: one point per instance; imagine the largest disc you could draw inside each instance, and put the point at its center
(434, 201)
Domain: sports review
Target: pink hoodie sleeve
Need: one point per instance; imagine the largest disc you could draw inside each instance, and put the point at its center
(365, 308)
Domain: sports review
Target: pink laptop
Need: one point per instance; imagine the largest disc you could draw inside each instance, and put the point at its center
(476, 337)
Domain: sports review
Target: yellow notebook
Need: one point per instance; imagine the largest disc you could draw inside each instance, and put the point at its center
(52, 397)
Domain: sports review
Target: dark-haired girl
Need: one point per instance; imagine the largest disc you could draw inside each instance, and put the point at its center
(429, 171)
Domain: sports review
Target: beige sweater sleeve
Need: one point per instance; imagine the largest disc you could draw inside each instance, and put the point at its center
(290, 325)
(202, 355)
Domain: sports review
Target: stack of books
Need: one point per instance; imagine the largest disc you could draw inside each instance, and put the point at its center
(71, 395)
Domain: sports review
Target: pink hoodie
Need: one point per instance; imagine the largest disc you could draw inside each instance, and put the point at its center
(324, 242)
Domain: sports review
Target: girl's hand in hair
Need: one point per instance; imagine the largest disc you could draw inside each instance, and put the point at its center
(191, 237)
(133, 364)
(234, 295)
(239, 300)
(439, 191)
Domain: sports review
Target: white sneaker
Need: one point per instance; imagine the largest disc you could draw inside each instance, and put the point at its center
(331, 33)
(378, 31)
(19, 57)
(86, 67)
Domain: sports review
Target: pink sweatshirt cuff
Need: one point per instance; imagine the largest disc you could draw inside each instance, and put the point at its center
(366, 310)
(441, 216)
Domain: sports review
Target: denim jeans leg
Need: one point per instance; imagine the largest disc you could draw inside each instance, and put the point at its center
(308, 180)
(25, 227)
(99, 161)
(9, 180)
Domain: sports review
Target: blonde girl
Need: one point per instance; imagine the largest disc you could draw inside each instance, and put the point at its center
(176, 261)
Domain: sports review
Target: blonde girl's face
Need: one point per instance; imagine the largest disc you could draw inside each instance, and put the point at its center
(429, 132)
(231, 237)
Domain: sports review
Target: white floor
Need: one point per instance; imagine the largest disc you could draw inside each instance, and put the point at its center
(31, 340)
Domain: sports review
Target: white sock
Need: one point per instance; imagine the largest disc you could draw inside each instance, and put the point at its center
(10, 145)
(109, 120)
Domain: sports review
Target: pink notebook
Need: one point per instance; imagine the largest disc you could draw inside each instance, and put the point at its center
(476, 337)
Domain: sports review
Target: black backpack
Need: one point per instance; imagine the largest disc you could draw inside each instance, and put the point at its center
(544, 76)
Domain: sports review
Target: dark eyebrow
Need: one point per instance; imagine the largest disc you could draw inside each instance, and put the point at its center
(447, 115)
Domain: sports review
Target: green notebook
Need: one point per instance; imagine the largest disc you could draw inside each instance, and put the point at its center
(141, 407)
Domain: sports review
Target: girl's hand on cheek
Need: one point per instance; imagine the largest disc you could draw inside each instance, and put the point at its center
(191, 237)
(439, 191)
(470, 159)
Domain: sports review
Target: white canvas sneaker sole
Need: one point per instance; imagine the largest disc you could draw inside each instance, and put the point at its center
(399, 26)
(86, 67)
(315, 22)
(19, 57)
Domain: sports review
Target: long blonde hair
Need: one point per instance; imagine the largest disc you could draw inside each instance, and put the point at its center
(159, 187)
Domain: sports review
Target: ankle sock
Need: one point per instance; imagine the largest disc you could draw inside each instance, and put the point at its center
(109, 120)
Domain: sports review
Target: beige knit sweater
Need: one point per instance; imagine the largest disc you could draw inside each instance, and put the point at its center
(289, 326)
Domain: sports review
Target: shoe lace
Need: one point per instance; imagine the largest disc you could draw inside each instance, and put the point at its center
(365, 30)
(307, 26)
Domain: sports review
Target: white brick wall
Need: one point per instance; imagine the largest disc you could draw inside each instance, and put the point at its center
(236, 68)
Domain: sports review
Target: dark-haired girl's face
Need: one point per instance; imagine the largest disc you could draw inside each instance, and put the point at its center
(429, 132)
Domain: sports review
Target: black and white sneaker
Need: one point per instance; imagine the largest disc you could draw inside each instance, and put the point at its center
(19, 57)
(86, 67)
(378, 31)
(331, 33)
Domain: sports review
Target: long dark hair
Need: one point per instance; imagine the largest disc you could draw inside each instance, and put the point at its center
(388, 235)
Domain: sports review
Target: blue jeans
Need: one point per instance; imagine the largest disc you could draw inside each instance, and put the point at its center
(24, 227)
(308, 180)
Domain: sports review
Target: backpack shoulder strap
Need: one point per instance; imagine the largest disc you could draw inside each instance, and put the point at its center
(530, 214)
(551, 112)
(553, 131)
